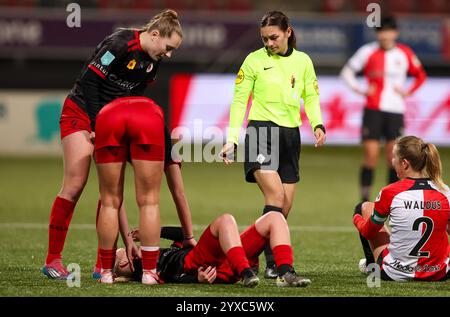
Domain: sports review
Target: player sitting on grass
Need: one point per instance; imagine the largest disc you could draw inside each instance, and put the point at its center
(221, 255)
(418, 206)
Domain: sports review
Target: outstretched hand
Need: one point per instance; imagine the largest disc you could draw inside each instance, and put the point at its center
(208, 275)
(133, 252)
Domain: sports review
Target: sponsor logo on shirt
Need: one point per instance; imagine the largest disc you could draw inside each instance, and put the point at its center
(240, 77)
(122, 83)
(149, 68)
(396, 265)
(99, 67)
(131, 64)
(107, 58)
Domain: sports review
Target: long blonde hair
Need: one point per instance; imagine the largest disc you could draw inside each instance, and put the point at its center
(165, 22)
(423, 157)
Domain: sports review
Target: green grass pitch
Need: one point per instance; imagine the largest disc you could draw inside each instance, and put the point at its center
(325, 243)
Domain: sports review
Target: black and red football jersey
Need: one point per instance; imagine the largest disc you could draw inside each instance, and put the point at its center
(119, 67)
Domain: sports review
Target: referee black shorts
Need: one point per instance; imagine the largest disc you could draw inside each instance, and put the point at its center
(271, 147)
(379, 125)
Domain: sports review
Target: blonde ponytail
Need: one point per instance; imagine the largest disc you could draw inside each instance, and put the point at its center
(165, 22)
(433, 165)
(423, 157)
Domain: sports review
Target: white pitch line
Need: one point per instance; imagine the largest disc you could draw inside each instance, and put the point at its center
(85, 226)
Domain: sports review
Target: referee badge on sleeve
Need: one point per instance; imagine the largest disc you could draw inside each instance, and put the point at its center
(240, 76)
(316, 86)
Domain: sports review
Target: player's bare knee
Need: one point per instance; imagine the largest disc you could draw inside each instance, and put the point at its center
(146, 200)
(224, 221)
(274, 216)
(113, 201)
(227, 218)
(71, 190)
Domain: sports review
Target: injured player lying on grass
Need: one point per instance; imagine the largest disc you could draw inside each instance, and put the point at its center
(221, 255)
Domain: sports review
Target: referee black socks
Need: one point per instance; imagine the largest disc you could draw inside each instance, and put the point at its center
(268, 208)
(366, 180)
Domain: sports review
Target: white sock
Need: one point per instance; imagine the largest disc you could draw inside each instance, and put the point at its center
(149, 249)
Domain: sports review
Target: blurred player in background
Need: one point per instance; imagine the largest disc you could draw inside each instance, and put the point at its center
(129, 127)
(172, 169)
(418, 207)
(386, 65)
(222, 255)
(277, 76)
(122, 65)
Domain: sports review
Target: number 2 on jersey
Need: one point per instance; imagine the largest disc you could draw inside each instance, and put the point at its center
(426, 235)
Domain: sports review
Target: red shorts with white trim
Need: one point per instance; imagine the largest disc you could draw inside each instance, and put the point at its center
(73, 119)
(131, 126)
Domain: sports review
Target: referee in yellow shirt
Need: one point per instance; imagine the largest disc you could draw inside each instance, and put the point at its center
(277, 76)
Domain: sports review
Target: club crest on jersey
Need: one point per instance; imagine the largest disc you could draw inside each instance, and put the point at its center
(107, 58)
(131, 64)
(149, 68)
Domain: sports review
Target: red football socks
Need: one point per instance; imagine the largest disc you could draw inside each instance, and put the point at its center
(60, 217)
(238, 260)
(149, 258)
(108, 257)
(283, 255)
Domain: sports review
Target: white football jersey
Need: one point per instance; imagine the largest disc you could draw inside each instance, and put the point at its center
(386, 70)
(419, 214)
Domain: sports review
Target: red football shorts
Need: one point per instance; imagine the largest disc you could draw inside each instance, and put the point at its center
(73, 119)
(131, 126)
(207, 252)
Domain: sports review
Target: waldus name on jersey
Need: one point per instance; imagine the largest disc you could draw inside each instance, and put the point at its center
(429, 204)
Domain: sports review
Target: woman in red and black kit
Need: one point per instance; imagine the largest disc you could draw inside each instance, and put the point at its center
(121, 66)
(130, 127)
